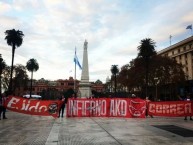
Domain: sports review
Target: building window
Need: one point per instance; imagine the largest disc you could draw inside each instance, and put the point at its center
(172, 52)
(70, 84)
(184, 48)
(62, 84)
(178, 50)
(190, 46)
(186, 55)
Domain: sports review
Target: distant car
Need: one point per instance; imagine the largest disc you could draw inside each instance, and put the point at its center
(32, 96)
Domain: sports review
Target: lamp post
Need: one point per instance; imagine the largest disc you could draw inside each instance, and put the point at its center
(156, 83)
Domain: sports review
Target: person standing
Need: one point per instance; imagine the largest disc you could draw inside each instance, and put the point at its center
(147, 104)
(2, 106)
(61, 111)
(187, 99)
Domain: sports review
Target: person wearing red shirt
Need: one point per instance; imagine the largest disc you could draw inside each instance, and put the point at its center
(61, 111)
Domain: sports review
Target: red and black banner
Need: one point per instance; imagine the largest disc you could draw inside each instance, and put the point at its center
(106, 107)
(33, 107)
(101, 107)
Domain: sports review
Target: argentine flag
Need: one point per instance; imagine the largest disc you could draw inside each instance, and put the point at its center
(189, 27)
(76, 60)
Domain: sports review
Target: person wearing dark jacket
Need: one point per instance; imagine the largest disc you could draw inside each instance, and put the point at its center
(2, 106)
(61, 111)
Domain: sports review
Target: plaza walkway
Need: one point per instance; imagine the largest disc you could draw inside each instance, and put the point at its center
(20, 129)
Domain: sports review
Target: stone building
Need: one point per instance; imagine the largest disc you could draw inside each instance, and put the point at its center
(182, 52)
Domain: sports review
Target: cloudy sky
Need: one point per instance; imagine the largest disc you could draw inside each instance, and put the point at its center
(113, 29)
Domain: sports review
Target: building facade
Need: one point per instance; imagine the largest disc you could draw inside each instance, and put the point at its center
(59, 86)
(182, 52)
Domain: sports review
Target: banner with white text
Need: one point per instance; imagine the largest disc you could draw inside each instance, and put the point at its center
(106, 107)
(33, 107)
(171, 108)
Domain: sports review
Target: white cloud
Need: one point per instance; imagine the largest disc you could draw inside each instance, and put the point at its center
(4, 7)
(113, 29)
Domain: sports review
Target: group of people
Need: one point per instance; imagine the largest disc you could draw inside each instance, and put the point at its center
(64, 101)
(2, 106)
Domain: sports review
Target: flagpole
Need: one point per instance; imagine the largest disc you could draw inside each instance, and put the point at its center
(75, 73)
(170, 40)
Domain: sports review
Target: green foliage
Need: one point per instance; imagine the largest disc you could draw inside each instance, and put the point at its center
(32, 65)
(98, 82)
(20, 79)
(146, 48)
(14, 37)
(114, 70)
(6, 77)
(164, 69)
(2, 67)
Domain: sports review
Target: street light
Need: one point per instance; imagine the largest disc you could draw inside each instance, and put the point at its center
(156, 83)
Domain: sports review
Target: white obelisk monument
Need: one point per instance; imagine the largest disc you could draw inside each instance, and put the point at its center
(84, 85)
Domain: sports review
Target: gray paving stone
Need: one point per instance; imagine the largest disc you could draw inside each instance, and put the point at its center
(21, 129)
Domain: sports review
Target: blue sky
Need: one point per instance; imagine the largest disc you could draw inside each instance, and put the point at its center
(113, 29)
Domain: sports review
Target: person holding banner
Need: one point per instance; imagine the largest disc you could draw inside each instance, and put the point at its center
(147, 104)
(61, 111)
(187, 99)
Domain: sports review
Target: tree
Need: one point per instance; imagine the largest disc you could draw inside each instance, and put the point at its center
(166, 70)
(20, 79)
(98, 82)
(146, 51)
(32, 66)
(6, 77)
(14, 38)
(2, 67)
(115, 71)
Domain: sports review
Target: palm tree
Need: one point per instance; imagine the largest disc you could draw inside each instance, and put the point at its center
(146, 51)
(115, 71)
(32, 66)
(2, 67)
(14, 38)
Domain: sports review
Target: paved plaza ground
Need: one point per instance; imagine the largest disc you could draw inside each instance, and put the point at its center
(21, 129)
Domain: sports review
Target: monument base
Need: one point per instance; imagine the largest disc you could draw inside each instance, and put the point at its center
(84, 90)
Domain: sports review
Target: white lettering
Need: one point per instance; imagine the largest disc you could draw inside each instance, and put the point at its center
(152, 108)
(13, 102)
(188, 108)
(35, 107)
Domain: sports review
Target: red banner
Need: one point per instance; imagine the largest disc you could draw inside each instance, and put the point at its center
(33, 107)
(106, 107)
(171, 108)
